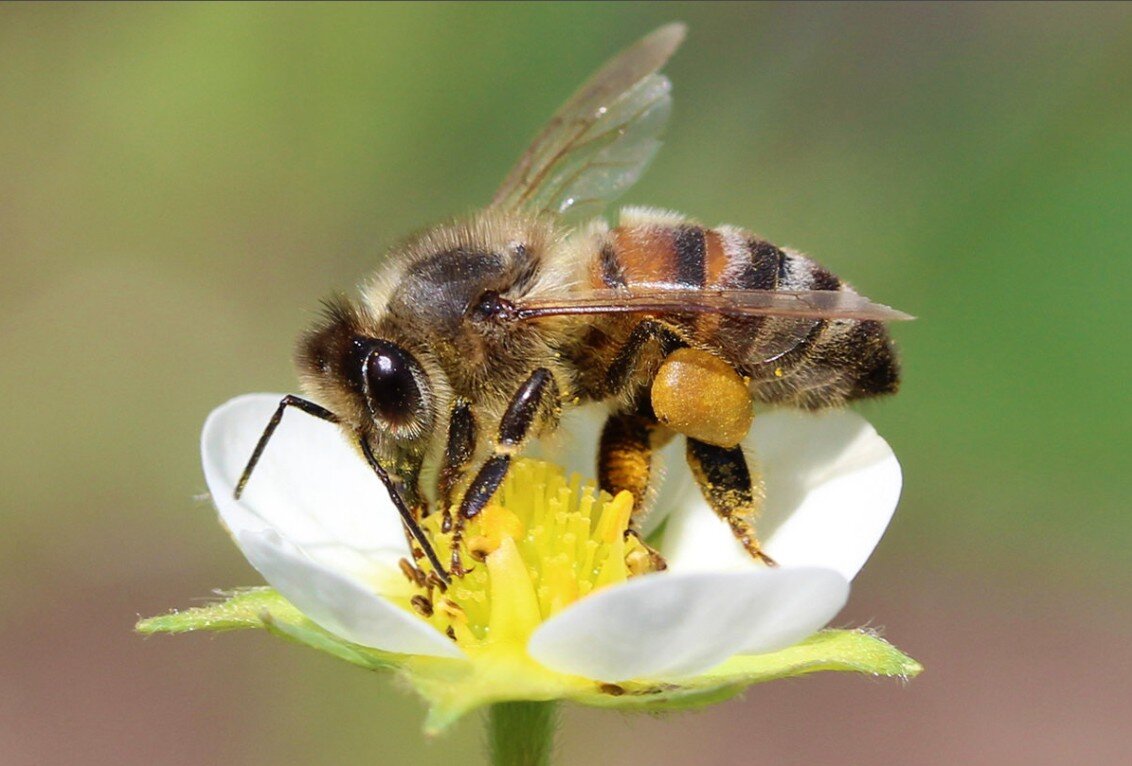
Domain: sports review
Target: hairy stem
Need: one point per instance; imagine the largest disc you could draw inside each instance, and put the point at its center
(521, 733)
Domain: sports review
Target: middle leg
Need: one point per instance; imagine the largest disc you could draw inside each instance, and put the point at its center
(632, 434)
(624, 463)
(531, 403)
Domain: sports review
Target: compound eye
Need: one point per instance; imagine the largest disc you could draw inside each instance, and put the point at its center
(391, 387)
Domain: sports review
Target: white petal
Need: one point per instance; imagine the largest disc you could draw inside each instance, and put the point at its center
(310, 486)
(574, 447)
(832, 484)
(670, 625)
(339, 604)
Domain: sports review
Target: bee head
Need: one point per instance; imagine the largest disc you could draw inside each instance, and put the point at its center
(374, 384)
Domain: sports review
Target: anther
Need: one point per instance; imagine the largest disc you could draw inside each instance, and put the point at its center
(433, 580)
(451, 610)
(422, 605)
(639, 561)
(413, 574)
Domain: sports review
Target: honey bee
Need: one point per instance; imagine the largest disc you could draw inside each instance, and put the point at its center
(478, 333)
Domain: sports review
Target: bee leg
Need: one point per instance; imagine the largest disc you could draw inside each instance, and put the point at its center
(725, 480)
(629, 437)
(624, 459)
(624, 463)
(533, 397)
(288, 401)
(620, 372)
(457, 454)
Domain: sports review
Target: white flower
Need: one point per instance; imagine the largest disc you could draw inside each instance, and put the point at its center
(319, 527)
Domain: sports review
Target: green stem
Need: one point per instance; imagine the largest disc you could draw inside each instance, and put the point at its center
(521, 733)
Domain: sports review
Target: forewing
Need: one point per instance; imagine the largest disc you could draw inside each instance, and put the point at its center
(789, 316)
(599, 142)
(802, 304)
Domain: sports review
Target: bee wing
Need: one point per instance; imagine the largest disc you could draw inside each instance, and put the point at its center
(600, 141)
(679, 300)
(791, 314)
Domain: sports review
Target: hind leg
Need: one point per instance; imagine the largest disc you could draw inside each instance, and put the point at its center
(703, 397)
(726, 482)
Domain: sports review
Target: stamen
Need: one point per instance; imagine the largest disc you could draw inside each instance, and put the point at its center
(545, 541)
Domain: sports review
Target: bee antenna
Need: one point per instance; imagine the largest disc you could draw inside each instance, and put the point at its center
(323, 414)
(310, 408)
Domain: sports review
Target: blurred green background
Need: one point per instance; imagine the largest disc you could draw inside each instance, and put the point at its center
(181, 184)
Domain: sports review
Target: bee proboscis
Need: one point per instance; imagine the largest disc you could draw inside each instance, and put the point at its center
(478, 333)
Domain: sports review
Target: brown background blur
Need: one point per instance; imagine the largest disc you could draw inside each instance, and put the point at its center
(181, 184)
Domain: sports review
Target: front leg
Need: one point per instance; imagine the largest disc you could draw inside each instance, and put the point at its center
(457, 453)
(539, 391)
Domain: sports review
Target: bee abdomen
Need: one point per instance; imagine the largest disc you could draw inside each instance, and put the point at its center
(816, 363)
(799, 362)
(660, 254)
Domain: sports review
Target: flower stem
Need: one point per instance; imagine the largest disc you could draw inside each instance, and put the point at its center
(521, 733)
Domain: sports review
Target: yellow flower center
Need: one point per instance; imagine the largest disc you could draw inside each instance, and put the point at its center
(541, 544)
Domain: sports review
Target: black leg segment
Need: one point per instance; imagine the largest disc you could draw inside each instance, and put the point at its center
(487, 481)
(458, 452)
(538, 392)
(525, 406)
(625, 363)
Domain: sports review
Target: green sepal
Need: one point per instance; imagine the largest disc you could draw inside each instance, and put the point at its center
(239, 609)
(851, 651)
(266, 609)
(454, 688)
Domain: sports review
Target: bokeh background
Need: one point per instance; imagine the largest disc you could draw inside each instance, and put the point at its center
(181, 184)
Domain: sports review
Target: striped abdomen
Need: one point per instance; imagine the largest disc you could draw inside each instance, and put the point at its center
(800, 362)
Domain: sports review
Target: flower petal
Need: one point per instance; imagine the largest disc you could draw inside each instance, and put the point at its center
(339, 604)
(832, 484)
(309, 486)
(669, 625)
